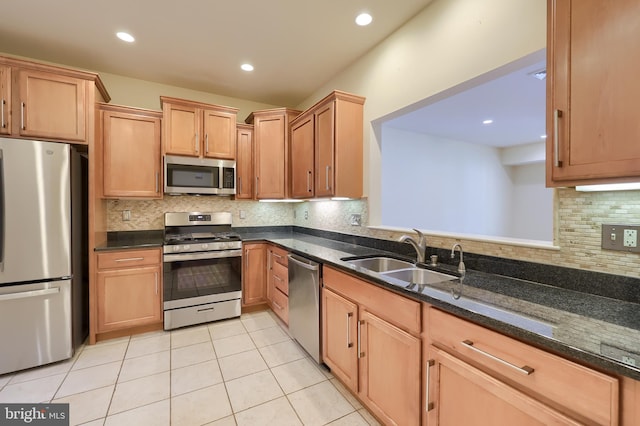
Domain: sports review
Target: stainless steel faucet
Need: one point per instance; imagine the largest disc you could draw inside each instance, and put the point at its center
(461, 267)
(420, 245)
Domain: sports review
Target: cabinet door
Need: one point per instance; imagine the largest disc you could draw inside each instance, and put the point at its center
(131, 145)
(244, 163)
(270, 149)
(325, 136)
(253, 275)
(5, 100)
(302, 176)
(128, 297)
(182, 129)
(339, 337)
(51, 106)
(459, 394)
(389, 371)
(219, 134)
(592, 123)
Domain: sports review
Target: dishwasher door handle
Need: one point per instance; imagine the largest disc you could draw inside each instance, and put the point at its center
(302, 263)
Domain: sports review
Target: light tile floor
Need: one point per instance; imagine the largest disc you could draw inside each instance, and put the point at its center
(245, 371)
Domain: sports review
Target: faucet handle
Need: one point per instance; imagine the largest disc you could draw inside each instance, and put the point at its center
(422, 238)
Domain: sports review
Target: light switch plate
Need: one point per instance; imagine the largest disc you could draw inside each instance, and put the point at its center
(620, 237)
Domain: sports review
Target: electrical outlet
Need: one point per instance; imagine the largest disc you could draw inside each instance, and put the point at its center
(620, 237)
(356, 219)
(126, 215)
(243, 214)
(630, 238)
(306, 214)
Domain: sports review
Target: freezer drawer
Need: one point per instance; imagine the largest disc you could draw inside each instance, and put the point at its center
(35, 324)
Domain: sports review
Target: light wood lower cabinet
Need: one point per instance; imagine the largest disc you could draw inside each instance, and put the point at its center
(254, 274)
(461, 394)
(128, 289)
(510, 376)
(370, 348)
(278, 282)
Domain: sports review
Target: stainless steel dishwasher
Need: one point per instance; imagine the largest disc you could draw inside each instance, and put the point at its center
(304, 303)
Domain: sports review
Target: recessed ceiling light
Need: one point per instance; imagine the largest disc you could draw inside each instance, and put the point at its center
(246, 67)
(363, 19)
(489, 121)
(125, 37)
(540, 74)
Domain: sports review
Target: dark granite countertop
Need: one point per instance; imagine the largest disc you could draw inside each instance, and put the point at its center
(598, 330)
(590, 327)
(121, 240)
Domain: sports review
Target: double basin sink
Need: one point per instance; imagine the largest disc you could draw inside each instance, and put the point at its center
(420, 280)
(400, 270)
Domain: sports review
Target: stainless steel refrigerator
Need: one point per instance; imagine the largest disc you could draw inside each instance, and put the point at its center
(35, 253)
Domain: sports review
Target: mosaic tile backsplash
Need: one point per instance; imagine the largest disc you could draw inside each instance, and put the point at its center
(578, 225)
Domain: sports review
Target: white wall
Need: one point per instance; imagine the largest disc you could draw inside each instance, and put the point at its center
(444, 185)
(532, 213)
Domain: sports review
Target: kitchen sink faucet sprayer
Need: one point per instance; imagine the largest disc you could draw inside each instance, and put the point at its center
(461, 268)
(420, 245)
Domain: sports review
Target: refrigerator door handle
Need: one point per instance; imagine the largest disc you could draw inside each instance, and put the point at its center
(2, 212)
(27, 294)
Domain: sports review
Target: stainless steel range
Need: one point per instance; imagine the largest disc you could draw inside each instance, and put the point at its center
(202, 269)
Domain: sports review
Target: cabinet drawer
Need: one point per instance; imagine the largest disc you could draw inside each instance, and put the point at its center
(398, 310)
(280, 256)
(128, 258)
(280, 305)
(281, 277)
(583, 393)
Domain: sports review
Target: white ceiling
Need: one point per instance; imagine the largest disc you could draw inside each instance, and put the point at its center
(295, 45)
(512, 98)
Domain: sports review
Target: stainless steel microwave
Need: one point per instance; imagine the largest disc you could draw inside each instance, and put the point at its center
(190, 175)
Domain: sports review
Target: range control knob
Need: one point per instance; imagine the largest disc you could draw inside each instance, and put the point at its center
(204, 246)
(186, 247)
(176, 248)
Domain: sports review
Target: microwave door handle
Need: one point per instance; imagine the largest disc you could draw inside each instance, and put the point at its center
(2, 212)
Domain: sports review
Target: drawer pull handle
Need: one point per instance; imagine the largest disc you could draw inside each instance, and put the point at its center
(277, 278)
(206, 143)
(205, 309)
(130, 259)
(278, 306)
(197, 142)
(22, 116)
(525, 369)
(429, 405)
(349, 315)
(2, 113)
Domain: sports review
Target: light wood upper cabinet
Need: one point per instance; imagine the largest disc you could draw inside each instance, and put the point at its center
(128, 290)
(5, 100)
(130, 140)
(254, 274)
(244, 162)
(47, 102)
(302, 164)
(219, 133)
(592, 123)
(336, 148)
(198, 130)
(50, 106)
(271, 151)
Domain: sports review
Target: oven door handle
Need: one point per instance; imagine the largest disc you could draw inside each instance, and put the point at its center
(202, 255)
